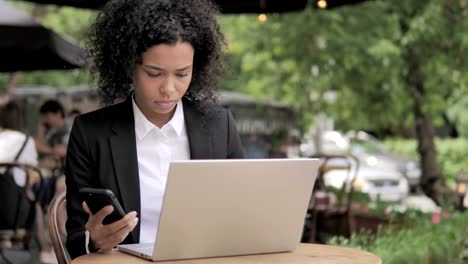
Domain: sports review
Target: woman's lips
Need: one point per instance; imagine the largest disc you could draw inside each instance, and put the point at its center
(165, 103)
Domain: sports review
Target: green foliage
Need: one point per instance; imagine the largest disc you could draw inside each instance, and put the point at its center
(422, 242)
(452, 157)
(405, 147)
(457, 114)
(452, 154)
(370, 66)
(352, 62)
(407, 216)
(71, 22)
(347, 62)
(57, 78)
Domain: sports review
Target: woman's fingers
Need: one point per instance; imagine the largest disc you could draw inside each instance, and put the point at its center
(86, 209)
(94, 224)
(96, 219)
(108, 236)
(127, 220)
(117, 237)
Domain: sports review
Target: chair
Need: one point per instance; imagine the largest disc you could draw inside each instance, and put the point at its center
(332, 218)
(56, 218)
(18, 204)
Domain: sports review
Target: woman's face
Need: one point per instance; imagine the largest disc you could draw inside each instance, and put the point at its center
(162, 79)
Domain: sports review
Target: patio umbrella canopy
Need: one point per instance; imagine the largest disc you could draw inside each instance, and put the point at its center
(26, 45)
(227, 6)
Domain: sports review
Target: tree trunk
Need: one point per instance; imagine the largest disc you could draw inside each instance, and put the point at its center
(432, 180)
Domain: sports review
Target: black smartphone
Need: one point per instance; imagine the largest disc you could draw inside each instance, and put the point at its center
(96, 199)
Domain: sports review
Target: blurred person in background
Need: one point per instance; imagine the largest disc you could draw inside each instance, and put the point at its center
(12, 140)
(16, 146)
(51, 143)
(52, 131)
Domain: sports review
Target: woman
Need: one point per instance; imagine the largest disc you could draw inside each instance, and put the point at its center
(163, 58)
(15, 147)
(15, 144)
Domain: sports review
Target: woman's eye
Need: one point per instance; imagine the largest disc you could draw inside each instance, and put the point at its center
(181, 75)
(154, 75)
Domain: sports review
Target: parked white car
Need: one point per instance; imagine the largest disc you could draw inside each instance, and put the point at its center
(373, 153)
(385, 185)
(381, 174)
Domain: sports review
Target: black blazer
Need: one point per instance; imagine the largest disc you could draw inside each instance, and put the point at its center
(102, 154)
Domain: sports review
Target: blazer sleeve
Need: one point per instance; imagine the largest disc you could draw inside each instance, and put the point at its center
(234, 149)
(78, 171)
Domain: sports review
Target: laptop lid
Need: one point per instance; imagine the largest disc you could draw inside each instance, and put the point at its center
(214, 208)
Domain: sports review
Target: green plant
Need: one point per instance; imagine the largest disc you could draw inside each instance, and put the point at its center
(445, 241)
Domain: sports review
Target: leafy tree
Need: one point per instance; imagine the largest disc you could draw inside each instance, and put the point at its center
(379, 65)
(432, 49)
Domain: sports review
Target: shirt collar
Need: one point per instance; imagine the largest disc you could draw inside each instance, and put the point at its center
(177, 121)
(143, 125)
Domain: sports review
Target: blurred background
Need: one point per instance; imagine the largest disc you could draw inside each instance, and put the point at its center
(377, 89)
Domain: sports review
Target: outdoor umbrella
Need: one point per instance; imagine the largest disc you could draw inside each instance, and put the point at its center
(227, 6)
(26, 45)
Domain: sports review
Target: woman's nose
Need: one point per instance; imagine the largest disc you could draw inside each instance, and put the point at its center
(168, 86)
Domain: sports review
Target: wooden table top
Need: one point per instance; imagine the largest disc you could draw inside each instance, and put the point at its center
(304, 253)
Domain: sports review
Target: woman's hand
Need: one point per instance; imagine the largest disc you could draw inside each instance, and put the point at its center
(106, 237)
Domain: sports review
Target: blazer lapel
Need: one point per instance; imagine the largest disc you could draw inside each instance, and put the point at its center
(198, 134)
(124, 156)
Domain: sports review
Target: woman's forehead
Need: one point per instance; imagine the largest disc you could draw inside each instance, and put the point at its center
(165, 55)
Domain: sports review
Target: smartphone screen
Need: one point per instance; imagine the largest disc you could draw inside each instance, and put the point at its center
(96, 199)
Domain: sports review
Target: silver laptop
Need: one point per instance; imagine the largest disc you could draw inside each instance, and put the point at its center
(215, 208)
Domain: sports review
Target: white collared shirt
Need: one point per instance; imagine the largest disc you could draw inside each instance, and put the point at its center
(11, 142)
(156, 147)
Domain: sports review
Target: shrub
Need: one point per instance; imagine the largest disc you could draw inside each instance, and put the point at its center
(430, 239)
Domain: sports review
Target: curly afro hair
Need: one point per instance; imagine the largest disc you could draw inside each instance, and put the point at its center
(125, 29)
